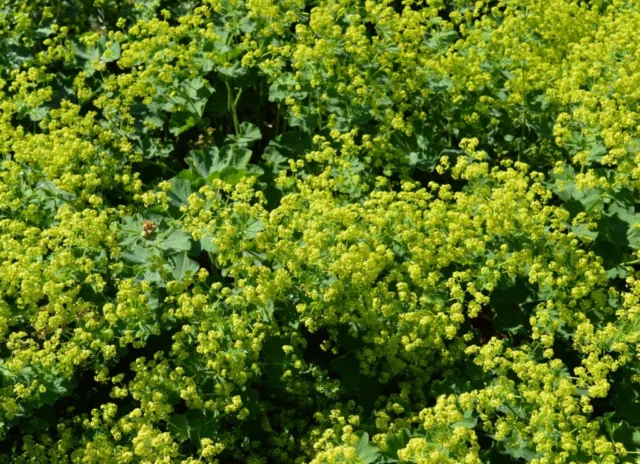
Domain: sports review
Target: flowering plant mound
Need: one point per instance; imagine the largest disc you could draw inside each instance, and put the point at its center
(319, 231)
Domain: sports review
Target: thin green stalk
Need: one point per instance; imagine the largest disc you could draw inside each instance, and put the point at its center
(231, 104)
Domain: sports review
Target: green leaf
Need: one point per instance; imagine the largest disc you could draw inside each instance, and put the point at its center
(590, 198)
(421, 153)
(235, 156)
(152, 147)
(633, 234)
(563, 184)
(615, 230)
(228, 73)
(204, 161)
(182, 121)
(183, 266)
(206, 242)
(130, 230)
(291, 144)
(280, 87)
(441, 41)
(180, 191)
(582, 231)
(469, 421)
(57, 386)
(194, 425)
(621, 432)
(154, 277)
(111, 53)
(176, 240)
(252, 227)
(193, 96)
(52, 191)
(212, 163)
(196, 91)
(179, 425)
(596, 153)
(395, 443)
(521, 451)
(38, 114)
(137, 255)
(366, 451)
(85, 53)
(247, 133)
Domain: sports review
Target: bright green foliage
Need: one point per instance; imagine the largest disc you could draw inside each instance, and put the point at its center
(319, 231)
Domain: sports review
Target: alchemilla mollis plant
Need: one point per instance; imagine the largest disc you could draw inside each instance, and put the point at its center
(319, 231)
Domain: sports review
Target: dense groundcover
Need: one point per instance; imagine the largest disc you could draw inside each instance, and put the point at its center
(319, 231)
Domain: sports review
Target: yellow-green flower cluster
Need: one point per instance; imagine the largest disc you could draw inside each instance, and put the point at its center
(340, 231)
